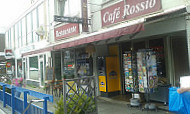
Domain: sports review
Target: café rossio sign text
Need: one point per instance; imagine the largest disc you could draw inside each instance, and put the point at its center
(128, 10)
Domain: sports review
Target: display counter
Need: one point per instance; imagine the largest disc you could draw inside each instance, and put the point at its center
(161, 95)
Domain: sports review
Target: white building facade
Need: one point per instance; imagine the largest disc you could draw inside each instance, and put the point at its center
(108, 25)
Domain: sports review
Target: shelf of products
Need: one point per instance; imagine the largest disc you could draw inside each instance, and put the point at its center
(130, 72)
(127, 59)
(147, 70)
(84, 65)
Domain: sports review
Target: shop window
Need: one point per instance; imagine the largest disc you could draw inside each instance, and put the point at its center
(69, 64)
(84, 63)
(158, 46)
(57, 65)
(19, 68)
(33, 68)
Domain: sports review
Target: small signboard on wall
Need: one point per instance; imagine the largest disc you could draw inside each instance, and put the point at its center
(49, 73)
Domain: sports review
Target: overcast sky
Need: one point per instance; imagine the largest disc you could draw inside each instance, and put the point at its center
(11, 10)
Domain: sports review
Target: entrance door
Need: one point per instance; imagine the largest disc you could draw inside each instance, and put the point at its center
(42, 73)
(24, 70)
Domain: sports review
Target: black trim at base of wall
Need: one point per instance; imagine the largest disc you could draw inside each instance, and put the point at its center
(110, 94)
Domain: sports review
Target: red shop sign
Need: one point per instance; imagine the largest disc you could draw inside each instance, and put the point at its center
(132, 9)
(66, 31)
(8, 64)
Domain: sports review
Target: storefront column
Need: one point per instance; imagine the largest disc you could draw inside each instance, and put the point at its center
(169, 61)
(188, 37)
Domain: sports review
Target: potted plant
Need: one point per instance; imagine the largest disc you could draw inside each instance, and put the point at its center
(77, 103)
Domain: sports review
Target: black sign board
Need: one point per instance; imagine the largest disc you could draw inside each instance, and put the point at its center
(68, 19)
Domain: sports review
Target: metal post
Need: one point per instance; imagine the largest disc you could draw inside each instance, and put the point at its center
(64, 96)
(13, 99)
(45, 105)
(25, 100)
(94, 78)
(4, 97)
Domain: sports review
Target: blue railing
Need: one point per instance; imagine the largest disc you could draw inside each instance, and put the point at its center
(19, 105)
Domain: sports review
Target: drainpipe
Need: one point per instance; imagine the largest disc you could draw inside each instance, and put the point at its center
(188, 34)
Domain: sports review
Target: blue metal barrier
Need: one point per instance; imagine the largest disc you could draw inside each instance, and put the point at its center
(19, 105)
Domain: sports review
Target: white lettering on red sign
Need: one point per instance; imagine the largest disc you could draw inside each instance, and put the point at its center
(111, 16)
(66, 31)
(129, 10)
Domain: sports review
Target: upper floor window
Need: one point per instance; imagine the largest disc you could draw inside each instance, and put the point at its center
(20, 34)
(6, 39)
(9, 39)
(72, 8)
(41, 15)
(29, 28)
(24, 31)
(12, 38)
(35, 25)
(16, 36)
(69, 8)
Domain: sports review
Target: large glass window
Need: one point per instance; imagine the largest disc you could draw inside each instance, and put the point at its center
(84, 63)
(20, 34)
(9, 39)
(33, 68)
(6, 39)
(12, 38)
(41, 15)
(72, 8)
(158, 46)
(29, 29)
(24, 31)
(35, 25)
(69, 64)
(16, 36)
(19, 67)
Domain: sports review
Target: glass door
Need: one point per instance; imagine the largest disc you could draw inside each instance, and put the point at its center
(42, 73)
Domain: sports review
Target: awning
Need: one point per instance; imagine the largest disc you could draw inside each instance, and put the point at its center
(50, 48)
(103, 36)
(93, 37)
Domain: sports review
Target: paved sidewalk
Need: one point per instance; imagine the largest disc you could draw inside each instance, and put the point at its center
(5, 110)
(110, 106)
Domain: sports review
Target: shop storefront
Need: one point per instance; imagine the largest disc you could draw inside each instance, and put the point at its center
(74, 62)
(152, 59)
(34, 68)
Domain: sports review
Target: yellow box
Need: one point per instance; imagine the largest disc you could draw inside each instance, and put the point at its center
(102, 83)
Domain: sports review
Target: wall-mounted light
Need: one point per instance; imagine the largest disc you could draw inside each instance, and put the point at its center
(40, 32)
